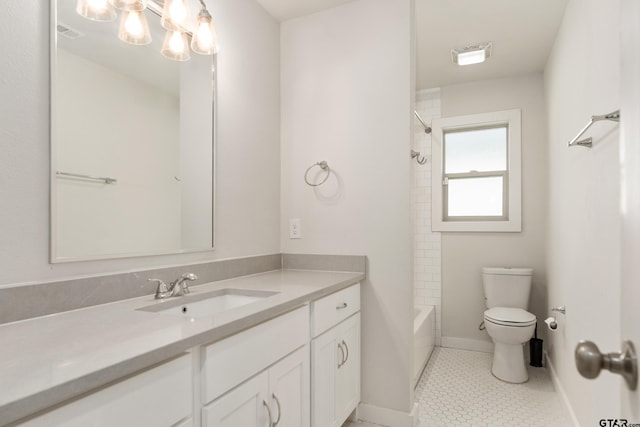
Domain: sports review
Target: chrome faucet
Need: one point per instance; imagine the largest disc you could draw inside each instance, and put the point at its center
(176, 288)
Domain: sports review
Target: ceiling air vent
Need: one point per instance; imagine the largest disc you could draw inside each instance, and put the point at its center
(69, 33)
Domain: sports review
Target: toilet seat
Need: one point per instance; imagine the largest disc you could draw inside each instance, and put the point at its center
(508, 316)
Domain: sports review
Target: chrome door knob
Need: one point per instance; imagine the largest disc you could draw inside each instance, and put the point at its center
(590, 361)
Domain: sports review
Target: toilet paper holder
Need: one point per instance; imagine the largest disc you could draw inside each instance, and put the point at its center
(551, 321)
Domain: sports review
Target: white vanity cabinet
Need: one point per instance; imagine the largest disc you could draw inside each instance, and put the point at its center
(259, 375)
(160, 396)
(299, 369)
(335, 361)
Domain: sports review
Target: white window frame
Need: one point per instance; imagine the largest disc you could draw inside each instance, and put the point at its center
(513, 220)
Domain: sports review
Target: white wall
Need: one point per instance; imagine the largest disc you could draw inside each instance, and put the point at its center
(143, 121)
(464, 254)
(582, 78)
(196, 153)
(248, 155)
(427, 249)
(347, 85)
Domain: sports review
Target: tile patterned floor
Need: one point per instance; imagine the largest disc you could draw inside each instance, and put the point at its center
(458, 389)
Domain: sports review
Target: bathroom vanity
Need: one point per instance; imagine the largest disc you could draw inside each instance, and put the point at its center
(290, 357)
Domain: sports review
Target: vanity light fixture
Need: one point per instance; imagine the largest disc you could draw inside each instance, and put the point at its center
(473, 54)
(174, 17)
(176, 46)
(96, 10)
(134, 28)
(137, 5)
(204, 40)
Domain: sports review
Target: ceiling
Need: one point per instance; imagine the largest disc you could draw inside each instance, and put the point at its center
(283, 10)
(522, 32)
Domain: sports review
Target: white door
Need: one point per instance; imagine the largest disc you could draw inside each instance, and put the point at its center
(630, 209)
(289, 390)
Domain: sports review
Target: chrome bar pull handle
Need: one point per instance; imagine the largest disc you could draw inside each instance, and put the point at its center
(590, 361)
(275, 423)
(342, 360)
(341, 306)
(268, 412)
(347, 350)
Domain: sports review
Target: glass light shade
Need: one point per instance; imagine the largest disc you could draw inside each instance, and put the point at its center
(176, 46)
(134, 28)
(204, 39)
(96, 10)
(175, 15)
(137, 5)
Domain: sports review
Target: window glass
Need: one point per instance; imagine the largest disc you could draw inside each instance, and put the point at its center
(479, 150)
(475, 197)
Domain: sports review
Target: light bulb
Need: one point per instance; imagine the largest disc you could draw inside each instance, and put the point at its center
(134, 28)
(175, 15)
(96, 10)
(137, 5)
(175, 46)
(204, 38)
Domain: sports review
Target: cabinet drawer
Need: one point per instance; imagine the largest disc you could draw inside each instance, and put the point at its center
(334, 308)
(160, 396)
(229, 362)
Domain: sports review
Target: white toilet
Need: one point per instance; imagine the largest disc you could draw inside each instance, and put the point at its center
(509, 324)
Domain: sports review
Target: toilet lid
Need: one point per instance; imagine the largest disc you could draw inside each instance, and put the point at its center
(509, 316)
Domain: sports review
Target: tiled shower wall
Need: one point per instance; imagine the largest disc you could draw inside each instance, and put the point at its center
(427, 244)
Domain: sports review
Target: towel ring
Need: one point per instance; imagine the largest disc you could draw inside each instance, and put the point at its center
(324, 166)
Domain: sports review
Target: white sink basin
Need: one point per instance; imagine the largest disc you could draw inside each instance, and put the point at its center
(207, 304)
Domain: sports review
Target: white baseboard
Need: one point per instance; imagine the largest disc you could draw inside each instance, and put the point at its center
(560, 389)
(388, 417)
(467, 344)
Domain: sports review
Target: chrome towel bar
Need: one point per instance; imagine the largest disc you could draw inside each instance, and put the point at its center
(106, 180)
(587, 142)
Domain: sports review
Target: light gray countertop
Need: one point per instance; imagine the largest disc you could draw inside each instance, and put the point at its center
(47, 360)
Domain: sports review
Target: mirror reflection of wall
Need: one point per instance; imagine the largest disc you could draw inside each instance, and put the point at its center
(127, 113)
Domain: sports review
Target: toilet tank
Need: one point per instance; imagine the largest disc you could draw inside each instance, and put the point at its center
(507, 287)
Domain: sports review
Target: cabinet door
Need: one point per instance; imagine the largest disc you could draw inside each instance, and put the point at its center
(348, 374)
(289, 390)
(335, 373)
(324, 366)
(243, 406)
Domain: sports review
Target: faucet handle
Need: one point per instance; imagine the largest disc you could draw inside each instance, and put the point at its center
(183, 282)
(161, 291)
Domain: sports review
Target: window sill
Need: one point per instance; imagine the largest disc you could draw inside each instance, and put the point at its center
(512, 226)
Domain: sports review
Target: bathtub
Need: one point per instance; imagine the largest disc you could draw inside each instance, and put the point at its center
(423, 338)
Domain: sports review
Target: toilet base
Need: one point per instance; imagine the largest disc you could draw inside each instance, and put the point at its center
(508, 363)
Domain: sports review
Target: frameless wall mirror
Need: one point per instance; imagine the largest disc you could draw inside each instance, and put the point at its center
(131, 141)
